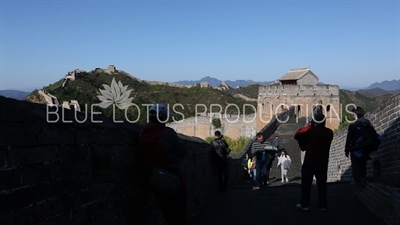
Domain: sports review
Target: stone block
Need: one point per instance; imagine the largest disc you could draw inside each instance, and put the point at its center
(10, 179)
(101, 152)
(106, 216)
(64, 187)
(41, 173)
(60, 219)
(82, 215)
(29, 215)
(3, 158)
(118, 137)
(23, 197)
(83, 137)
(80, 198)
(121, 150)
(16, 135)
(73, 152)
(105, 176)
(75, 168)
(54, 135)
(31, 155)
(104, 189)
(85, 181)
(104, 163)
(52, 208)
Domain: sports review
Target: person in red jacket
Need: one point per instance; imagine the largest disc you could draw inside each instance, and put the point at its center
(316, 142)
(162, 148)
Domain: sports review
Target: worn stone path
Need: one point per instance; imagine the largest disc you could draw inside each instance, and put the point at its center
(276, 205)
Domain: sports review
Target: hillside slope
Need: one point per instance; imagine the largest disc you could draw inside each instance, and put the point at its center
(86, 89)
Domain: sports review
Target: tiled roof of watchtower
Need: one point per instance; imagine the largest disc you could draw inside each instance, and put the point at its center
(296, 74)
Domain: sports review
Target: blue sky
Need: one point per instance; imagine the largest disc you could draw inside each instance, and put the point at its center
(349, 43)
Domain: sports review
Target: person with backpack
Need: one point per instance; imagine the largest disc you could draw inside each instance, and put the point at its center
(162, 149)
(362, 139)
(221, 148)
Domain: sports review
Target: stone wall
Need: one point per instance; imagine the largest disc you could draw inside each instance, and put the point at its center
(233, 126)
(245, 97)
(269, 129)
(305, 90)
(83, 173)
(275, 98)
(383, 170)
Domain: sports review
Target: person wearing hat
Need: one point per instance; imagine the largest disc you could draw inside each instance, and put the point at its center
(317, 142)
(162, 148)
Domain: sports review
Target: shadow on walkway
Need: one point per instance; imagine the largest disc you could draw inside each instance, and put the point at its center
(276, 205)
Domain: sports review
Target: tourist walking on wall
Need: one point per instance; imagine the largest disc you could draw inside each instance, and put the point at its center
(276, 142)
(222, 151)
(285, 162)
(162, 149)
(316, 141)
(252, 168)
(258, 150)
(246, 174)
(360, 129)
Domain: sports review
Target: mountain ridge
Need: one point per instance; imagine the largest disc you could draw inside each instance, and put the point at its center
(385, 85)
(216, 82)
(15, 94)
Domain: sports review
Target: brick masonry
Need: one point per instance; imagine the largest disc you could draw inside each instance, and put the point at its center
(79, 173)
(382, 193)
(83, 173)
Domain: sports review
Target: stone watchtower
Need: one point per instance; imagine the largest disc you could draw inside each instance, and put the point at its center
(111, 69)
(298, 88)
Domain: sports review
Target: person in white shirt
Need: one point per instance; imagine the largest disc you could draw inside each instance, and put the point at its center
(284, 161)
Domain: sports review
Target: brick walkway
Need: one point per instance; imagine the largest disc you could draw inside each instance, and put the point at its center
(276, 205)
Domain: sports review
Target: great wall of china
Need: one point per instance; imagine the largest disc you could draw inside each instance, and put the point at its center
(77, 73)
(298, 87)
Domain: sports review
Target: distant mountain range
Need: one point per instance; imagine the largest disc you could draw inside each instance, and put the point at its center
(215, 82)
(19, 95)
(386, 85)
(373, 90)
(376, 92)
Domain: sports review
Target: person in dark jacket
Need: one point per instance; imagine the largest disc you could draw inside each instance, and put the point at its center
(358, 157)
(162, 148)
(317, 140)
(221, 148)
(277, 143)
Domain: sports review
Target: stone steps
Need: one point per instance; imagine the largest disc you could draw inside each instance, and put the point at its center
(286, 133)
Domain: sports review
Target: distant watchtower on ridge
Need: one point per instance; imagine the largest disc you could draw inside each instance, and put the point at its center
(298, 88)
(111, 69)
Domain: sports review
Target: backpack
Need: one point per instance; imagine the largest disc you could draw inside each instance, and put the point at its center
(157, 175)
(220, 149)
(286, 164)
(367, 138)
(152, 150)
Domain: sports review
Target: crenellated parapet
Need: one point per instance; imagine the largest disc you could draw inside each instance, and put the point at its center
(299, 88)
